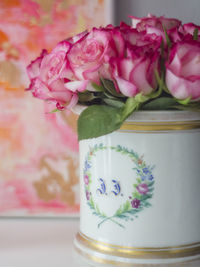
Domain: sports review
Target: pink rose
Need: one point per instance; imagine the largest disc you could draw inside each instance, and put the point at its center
(33, 69)
(49, 66)
(56, 93)
(183, 70)
(135, 73)
(45, 74)
(137, 38)
(88, 54)
(77, 37)
(143, 24)
(154, 26)
(142, 189)
(86, 179)
(53, 63)
(189, 28)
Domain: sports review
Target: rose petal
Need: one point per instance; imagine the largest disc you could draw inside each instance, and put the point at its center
(76, 86)
(135, 21)
(33, 69)
(138, 76)
(77, 37)
(73, 101)
(126, 88)
(62, 46)
(182, 88)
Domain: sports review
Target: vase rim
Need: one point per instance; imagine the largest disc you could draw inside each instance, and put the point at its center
(164, 116)
(154, 115)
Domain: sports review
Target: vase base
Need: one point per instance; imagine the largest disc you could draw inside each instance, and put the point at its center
(97, 253)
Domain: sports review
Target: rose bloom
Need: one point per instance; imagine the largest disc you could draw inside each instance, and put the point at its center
(86, 179)
(183, 70)
(89, 53)
(142, 189)
(136, 72)
(189, 28)
(154, 26)
(135, 203)
(46, 74)
(142, 24)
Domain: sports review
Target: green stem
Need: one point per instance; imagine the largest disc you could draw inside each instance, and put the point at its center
(111, 219)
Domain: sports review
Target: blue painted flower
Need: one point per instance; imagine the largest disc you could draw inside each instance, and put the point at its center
(147, 175)
(145, 170)
(87, 165)
(150, 177)
(143, 177)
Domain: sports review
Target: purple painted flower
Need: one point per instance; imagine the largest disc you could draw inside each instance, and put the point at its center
(86, 179)
(135, 203)
(87, 195)
(142, 189)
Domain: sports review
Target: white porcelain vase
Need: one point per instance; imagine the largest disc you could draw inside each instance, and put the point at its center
(140, 191)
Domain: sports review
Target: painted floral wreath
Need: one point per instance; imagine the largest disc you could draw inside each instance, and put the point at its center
(142, 190)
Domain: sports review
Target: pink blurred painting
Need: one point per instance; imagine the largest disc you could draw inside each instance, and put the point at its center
(39, 170)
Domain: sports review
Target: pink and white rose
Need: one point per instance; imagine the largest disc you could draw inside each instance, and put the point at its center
(155, 26)
(136, 73)
(189, 28)
(183, 70)
(45, 74)
(88, 54)
(144, 24)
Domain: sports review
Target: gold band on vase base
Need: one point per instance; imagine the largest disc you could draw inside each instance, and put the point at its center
(160, 126)
(182, 251)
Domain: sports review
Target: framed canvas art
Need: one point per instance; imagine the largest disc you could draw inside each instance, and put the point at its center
(39, 166)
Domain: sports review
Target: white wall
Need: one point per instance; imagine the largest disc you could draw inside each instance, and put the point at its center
(185, 10)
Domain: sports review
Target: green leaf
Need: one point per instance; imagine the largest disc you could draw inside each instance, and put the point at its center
(110, 87)
(97, 209)
(136, 195)
(98, 120)
(86, 96)
(138, 180)
(92, 203)
(98, 88)
(195, 34)
(162, 103)
(119, 211)
(191, 106)
(108, 95)
(113, 102)
(126, 206)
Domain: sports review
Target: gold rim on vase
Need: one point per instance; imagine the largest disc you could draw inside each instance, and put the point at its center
(160, 126)
(181, 251)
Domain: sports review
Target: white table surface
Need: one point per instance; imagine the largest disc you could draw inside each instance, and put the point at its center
(37, 242)
(34, 242)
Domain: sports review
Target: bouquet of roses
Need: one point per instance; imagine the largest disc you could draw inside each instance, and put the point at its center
(113, 71)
